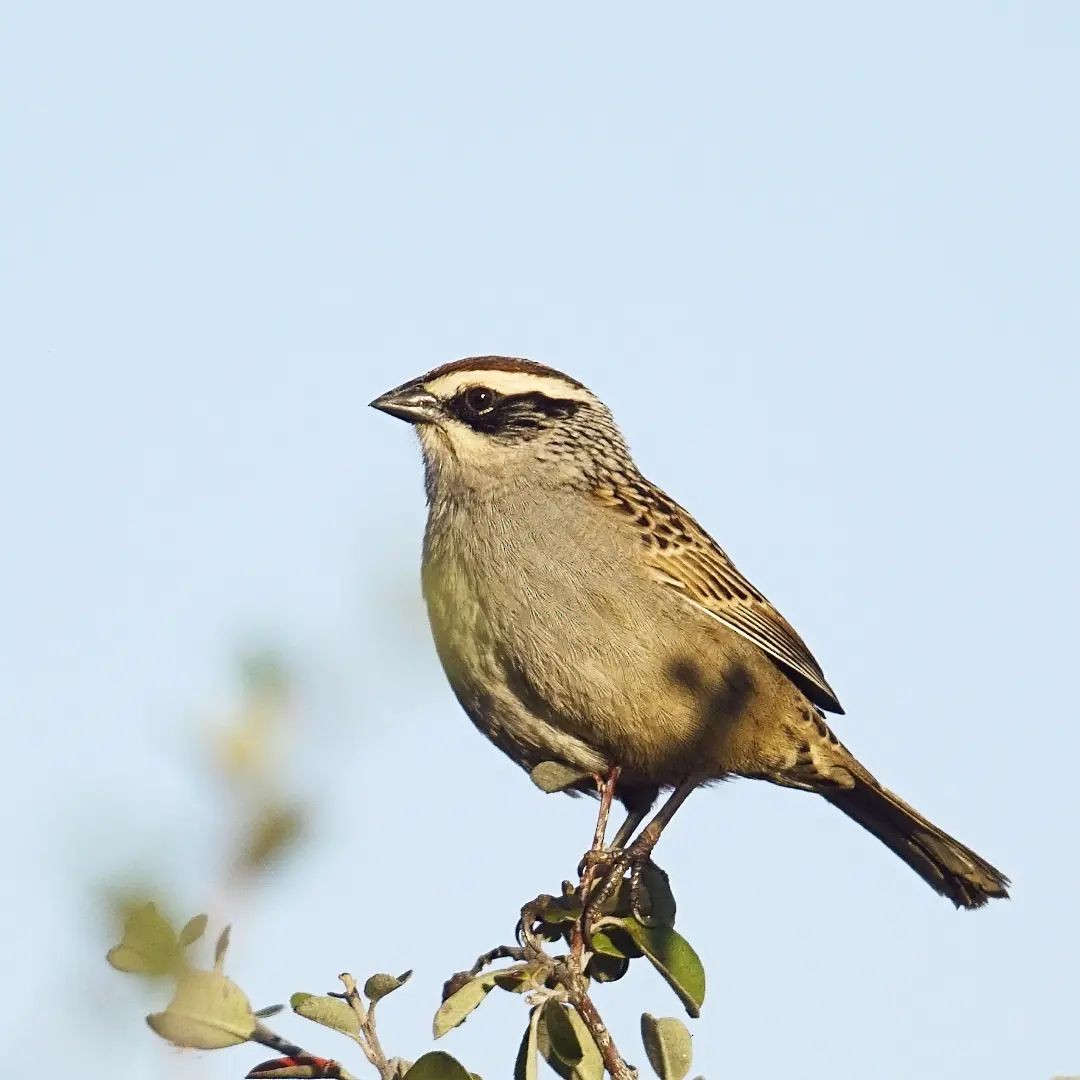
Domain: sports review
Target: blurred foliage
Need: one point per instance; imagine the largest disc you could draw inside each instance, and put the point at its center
(209, 1011)
(251, 756)
(262, 816)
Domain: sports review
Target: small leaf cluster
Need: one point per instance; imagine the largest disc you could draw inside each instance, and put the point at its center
(606, 924)
(208, 1011)
(556, 1032)
(617, 937)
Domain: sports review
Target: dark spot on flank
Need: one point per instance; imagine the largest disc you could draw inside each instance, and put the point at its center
(685, 673)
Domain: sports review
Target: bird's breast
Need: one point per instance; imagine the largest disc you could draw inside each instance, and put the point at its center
(558, 643)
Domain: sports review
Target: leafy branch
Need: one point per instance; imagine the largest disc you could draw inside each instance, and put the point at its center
(603, 923)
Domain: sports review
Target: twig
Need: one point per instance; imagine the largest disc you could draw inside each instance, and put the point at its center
(367, 1038)
(568, 972)
(500, 952)
(613, 1060)
(571, 974)
(262, 1034)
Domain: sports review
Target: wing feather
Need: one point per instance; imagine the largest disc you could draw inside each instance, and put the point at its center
(684, 557)
(695, 566)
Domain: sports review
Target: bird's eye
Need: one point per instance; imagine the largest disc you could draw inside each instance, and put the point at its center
(479, 400)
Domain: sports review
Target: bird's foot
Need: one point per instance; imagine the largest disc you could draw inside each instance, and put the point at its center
(614, 865)
(600, 861)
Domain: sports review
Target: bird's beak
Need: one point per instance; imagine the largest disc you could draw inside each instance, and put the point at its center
(411, 403)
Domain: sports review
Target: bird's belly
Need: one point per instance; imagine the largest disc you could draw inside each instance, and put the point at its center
(470, 642)
(673, 700)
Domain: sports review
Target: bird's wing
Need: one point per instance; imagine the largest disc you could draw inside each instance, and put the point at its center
(688, 560)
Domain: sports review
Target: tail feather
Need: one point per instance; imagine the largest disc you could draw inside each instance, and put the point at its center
(948, 867)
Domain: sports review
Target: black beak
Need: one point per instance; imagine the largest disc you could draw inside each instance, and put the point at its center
(411, 403)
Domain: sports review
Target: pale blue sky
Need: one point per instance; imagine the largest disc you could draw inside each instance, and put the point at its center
(822, 262)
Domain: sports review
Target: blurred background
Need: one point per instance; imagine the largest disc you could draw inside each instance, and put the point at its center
(821, 260)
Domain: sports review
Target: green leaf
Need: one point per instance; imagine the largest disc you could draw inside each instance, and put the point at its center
(378, 986)
(591, 1064)
(667, 1045)
(193, 929)
(602, 945)
(661, 898)
(552, 776)
(605, 969)
(561, 1034)
(437, 1065)
(676, 961)
(525, 1065)
(519, 978)
(207, 1012)
(331, 1012)
(562, 909)
(456, 1008)
(149, 945)
(614, 941)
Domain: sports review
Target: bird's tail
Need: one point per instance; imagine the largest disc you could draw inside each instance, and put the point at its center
(942, 862)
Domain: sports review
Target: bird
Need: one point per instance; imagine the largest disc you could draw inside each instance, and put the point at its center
(583, 617)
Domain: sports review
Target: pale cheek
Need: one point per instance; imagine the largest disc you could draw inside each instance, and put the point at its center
(459, 449)
(472, 448)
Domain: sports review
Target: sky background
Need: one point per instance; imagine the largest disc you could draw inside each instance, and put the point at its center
(821, 261)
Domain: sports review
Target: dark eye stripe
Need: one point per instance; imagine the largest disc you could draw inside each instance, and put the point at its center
(508, 413)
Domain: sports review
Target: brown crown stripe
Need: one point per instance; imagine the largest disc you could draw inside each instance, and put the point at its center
(500, 363)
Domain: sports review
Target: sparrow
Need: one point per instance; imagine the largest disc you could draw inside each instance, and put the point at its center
(583, 617)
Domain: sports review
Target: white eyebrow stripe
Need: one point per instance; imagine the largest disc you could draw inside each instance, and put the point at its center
(507, 382)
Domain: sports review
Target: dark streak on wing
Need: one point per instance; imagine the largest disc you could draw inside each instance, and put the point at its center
(710, 579)
(690, 561)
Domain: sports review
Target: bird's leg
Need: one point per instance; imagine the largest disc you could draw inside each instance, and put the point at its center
(604, 858)
(532, 912)
(627, 829)
(599, 855)
(636, 857)
(605, 784)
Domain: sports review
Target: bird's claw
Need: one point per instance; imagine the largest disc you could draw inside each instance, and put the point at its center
(615, 865)
(600, 860)
(640, 901)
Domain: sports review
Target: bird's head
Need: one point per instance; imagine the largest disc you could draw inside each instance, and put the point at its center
(491, 421)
